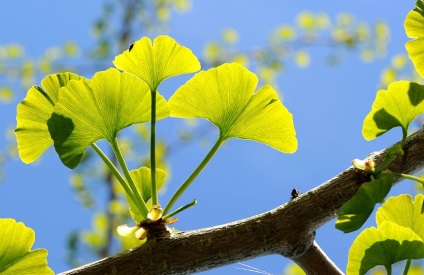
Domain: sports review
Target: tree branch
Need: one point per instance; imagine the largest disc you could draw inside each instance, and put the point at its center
(315, 261)
(288, 230)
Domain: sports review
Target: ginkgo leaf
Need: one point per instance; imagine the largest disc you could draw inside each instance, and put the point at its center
(355, 212)
(414, 27)
(397, 106)
(154, 63)
(225, 96)
(385, 245)
(32, 114)
(16, 256)
(142, 179)
(89, 110)
(404, 212)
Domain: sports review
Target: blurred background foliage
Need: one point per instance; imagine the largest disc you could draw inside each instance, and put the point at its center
(114, 30)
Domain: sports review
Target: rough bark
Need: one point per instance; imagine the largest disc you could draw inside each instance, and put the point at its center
(287, 230)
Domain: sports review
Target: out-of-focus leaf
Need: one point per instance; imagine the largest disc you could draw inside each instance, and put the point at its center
(414, 27)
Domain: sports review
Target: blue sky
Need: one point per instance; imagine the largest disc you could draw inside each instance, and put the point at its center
(245, 178)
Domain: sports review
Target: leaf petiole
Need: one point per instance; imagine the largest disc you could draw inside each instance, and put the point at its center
(391, 154)
(388, 269)
(193, 175)
(404, 136)
(181, 209)
(406, 176)
(138, 200)
(115, 172)
(154, 194)
(407, 265)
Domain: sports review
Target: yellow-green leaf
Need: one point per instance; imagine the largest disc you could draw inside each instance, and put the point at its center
(226, 96)
(397, 106)
(142, 179)
(89, 110)
(154, 63)
(404, 212)
(385, 245)
(414, 27)
(16, 256)
(33, 112)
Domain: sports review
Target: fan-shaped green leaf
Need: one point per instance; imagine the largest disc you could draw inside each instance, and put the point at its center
(385, 245)
(33, 112)
(414, 27)
(89, 110)
(404, 212)
(142, 179)
(16, 256)
(154, 63)
(398, 106)
(356, 211)
(225, 96)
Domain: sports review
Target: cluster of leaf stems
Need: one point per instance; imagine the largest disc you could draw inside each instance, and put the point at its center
(127, 181)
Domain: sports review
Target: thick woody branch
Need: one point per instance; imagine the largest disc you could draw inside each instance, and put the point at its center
(287, 230)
